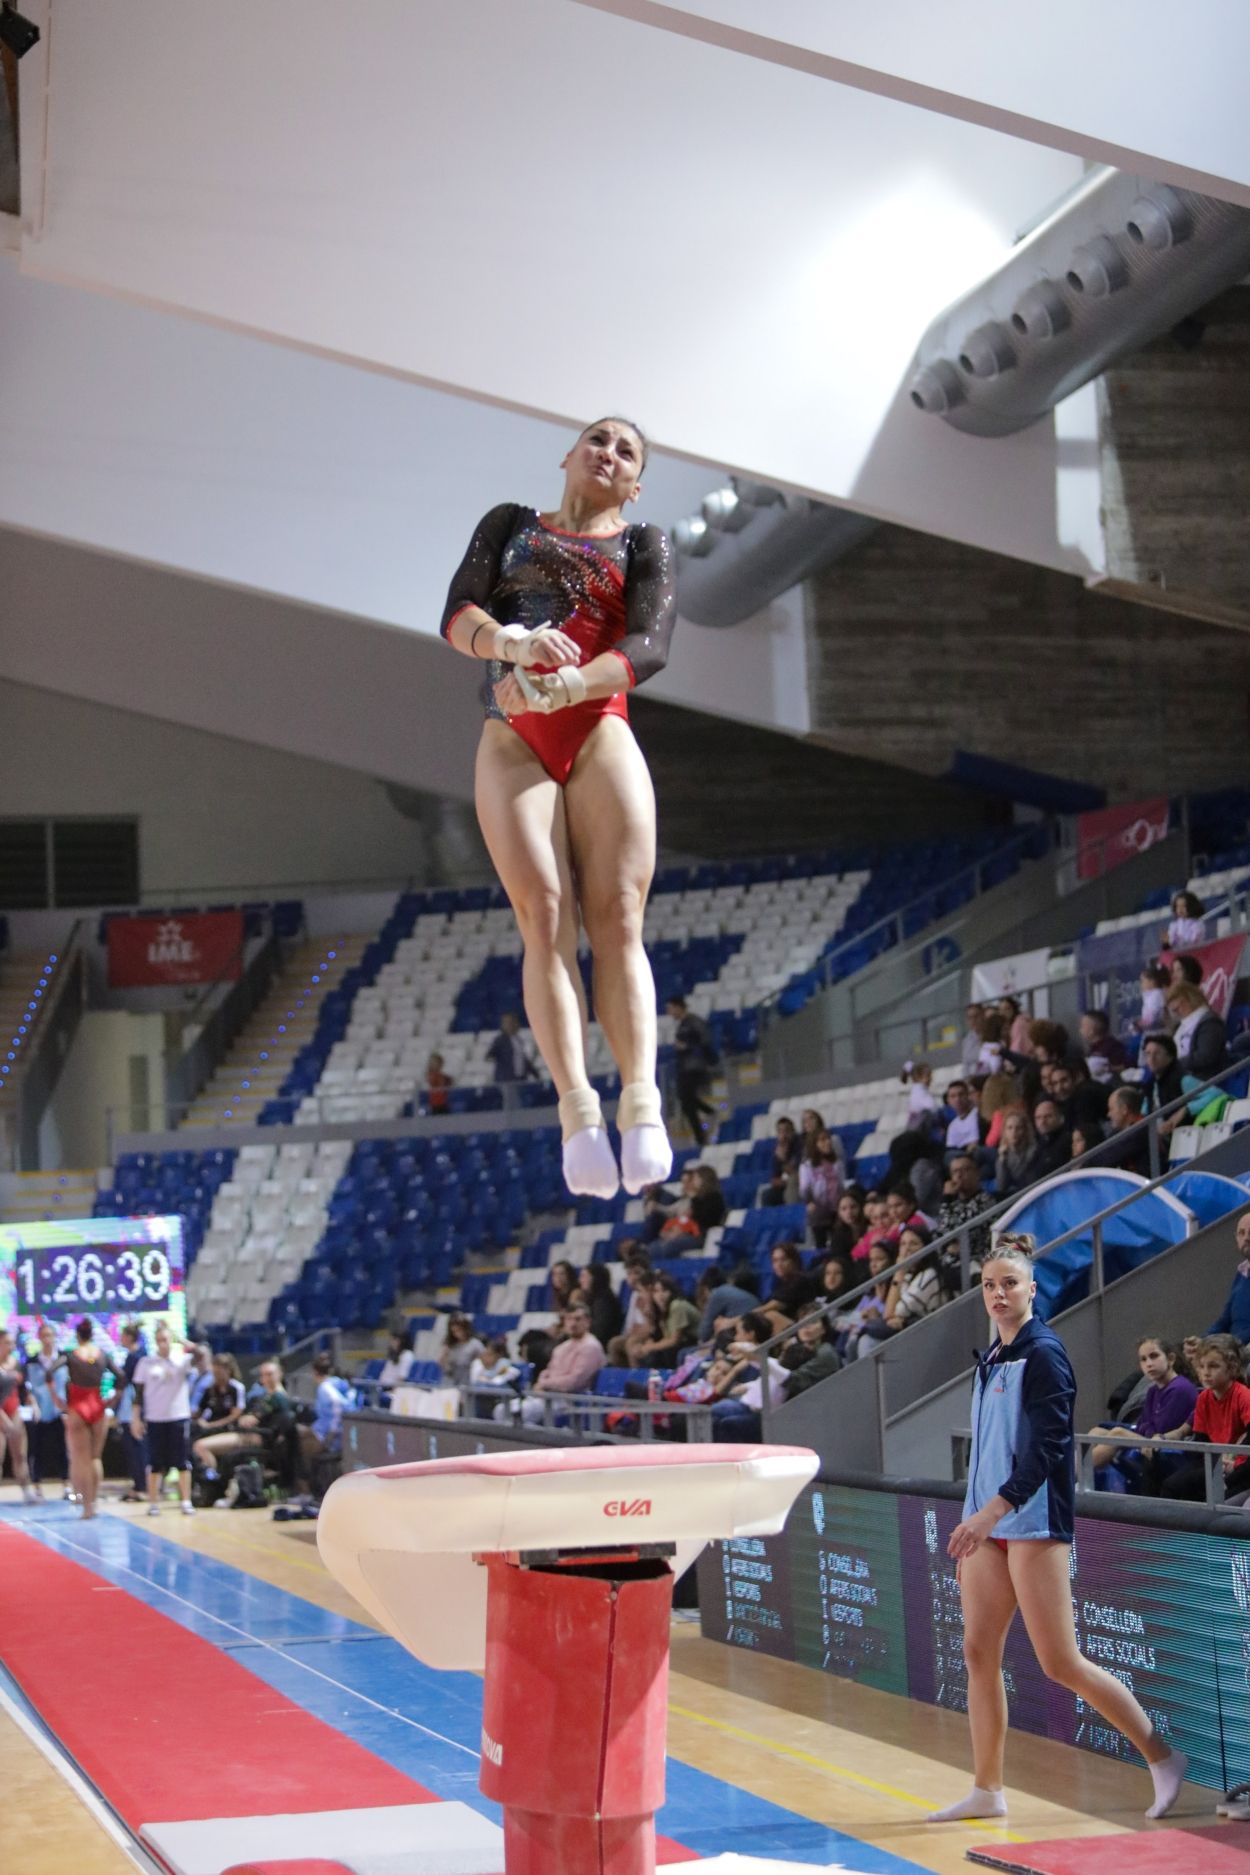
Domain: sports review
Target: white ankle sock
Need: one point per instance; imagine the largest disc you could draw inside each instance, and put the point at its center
(590, 1169)
(646, 1155)
(979, 1805)
(1167, 1777)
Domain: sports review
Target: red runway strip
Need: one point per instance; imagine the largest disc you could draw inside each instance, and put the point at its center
(167, 1726)
(1213, 1849)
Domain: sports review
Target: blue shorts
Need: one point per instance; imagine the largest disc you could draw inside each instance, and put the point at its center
(169, 1445)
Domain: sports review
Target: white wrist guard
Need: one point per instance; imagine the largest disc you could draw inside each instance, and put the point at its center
(554, 690)
(519, 647)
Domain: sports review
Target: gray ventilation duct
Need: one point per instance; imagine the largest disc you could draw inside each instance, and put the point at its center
(1120, 261)
(752, 543)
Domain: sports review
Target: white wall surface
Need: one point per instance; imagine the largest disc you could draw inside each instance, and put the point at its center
(215, 815)
(1128, 82)
(555, 210)
(95, 1084)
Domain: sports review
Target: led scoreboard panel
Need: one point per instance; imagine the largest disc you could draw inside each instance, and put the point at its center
(114, 1269)
(859, 1584)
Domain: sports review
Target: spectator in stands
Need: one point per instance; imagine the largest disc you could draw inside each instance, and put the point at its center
(1123, 1149)
(438, 1084)
(1185, 969)
(595, 1289)
(201, 1378)
(812, 1357)
(1048, 1043)
(662, 1205)
(902, 1209)
(1200, 1035)
(1158, 1053)
(677, 1323)
(874, 1213)
(999, 1092)
(493, 1367)
(510, 1059)
(1013, 1168)
(13, 1398)
(573, 1368)
(917, 1159)
(536, 1348)
(1104, 1053)
(993, 1044)
(696, 1057)
(640, 1313)
(964, 1202)
(922, 1106)
(44, 1373)
(1080, 1100)
(162, 1412)
(847, 1228)
(783, 1182)
(1017, 1025)
(792, 1285)
(1221, 1416)
(724, 1299)
(399, 1359)
(848, 1326)
(1054, 1142)
(707, 1206)
(221, 1409)
(740, 1382)
(964, 1132)
(134, 1451)
(562, 1286)
(1187, 924)
(913, 1293)
(1154, 981)
(461, 1348)
(820, 1186)
(1086, 1138)
(1234, 1318)
(974, 1035)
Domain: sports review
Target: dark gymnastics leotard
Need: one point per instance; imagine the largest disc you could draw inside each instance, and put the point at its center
(612, 592)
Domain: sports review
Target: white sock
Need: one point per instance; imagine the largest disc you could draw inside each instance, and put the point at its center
(646, 1155)
(590, 1169)
(978, 1805)
(1167, 1777)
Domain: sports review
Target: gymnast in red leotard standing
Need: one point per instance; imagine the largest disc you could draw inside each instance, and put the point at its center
(86, 1424)
(570, 610)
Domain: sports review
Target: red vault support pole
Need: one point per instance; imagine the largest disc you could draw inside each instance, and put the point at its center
(574, 1713)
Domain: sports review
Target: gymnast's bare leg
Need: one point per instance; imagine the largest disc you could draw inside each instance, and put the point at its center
(522, 814)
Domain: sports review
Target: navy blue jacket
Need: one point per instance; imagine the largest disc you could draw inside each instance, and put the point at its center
(1234, 1317)
(1022, 1436)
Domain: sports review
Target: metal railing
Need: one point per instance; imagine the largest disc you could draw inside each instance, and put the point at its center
(1212, 1457)
(46, 1051)
(588, 1412)
(962, 1235)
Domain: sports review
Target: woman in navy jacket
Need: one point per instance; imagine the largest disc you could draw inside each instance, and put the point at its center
(1013, 1546)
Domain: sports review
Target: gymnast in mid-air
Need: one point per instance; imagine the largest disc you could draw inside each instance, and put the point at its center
(570, 610)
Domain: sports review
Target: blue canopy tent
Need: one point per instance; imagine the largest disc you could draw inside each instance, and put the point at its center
(1209, 1195)
(1131, 1237)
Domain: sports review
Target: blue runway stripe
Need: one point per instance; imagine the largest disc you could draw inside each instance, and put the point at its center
(421, 1721)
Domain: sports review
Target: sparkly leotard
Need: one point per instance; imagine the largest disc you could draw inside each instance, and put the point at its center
(610, 592)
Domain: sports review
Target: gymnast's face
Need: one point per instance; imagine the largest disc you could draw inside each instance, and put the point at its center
(605, 463)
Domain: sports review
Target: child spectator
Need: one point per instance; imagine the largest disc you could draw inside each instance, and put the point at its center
(399, 1358)
(1154, 981)
(874, 1214)
(783, 1181)
(1169, 1404)
(739, 1382)
(812, 1355)
(820, 1186)
(913, 1293)
(1221, 1416)
(848, 1327)
(492, 1367)
(1188, 922)
(922, 1106)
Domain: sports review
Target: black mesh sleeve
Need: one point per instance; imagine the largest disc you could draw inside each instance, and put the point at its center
(650, 603)
(478, 573)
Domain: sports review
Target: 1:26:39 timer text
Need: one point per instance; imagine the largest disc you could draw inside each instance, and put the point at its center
(64, 1280)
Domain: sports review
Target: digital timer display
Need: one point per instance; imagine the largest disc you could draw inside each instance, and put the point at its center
(112, 1269)
(859, 1584)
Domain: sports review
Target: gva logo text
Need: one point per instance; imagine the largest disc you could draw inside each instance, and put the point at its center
(628, 1507)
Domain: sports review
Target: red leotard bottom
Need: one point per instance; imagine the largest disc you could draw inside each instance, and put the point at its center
(87, 1402)
(557, 739)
